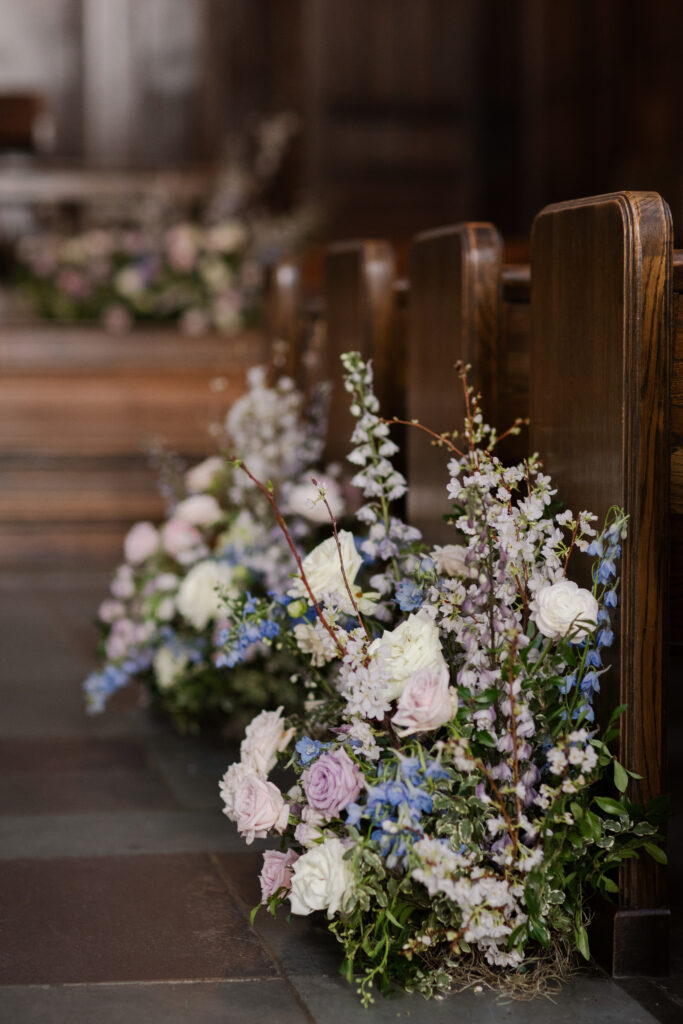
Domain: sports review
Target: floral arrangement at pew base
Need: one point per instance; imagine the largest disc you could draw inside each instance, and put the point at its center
(164, 619)
(161, 265)
(450, 809)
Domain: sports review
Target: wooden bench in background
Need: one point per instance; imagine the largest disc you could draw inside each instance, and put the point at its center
(77, 407)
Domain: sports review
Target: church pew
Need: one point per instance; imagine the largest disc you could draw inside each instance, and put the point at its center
(602, 341)
(455, 297)
(362, 311)
(597, 300)
(77, 407)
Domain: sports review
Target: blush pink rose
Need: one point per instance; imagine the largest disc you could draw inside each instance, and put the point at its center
(256, 806)
(427, 701)
(276, 872)
(332, 782)
(141, 542)
(178, 536)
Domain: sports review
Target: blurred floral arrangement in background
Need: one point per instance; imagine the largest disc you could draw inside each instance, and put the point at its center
(164, 620)
(204, 272)
(454, 803)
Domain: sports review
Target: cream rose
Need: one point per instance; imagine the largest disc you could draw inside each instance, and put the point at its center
(200, 477)
(427, 701)
(141, 542)
(322, 569)
(199, 510)
(200, 595)
(413, 645)
(304, 500)
(321, 879)
(565, 609)
(255, 805)
(265, 737)
(450, 559)
(169, 666)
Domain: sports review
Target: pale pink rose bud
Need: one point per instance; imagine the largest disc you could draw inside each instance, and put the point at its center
(265, 737)
(122, 585)
(256, 806)
(142, 541)
(332, 782)
(276, 872)
(427, 701)
(123, 636)
(178, 536)
(111, 610)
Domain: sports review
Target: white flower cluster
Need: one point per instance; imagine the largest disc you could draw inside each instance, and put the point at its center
(268, 428)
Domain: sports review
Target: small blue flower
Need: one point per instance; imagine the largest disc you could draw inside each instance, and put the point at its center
(354, 813)
(606, 569)
(611, 598)
(308, 749)
(590, 684)
(568, 684)
(408, 596)
(593, 658)
(595, 547)
(605, 637)
(587, 711)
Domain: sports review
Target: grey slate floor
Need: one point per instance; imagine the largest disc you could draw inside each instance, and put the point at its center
(125, 894)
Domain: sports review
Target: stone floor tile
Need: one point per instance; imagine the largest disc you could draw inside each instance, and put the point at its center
(123, 832)
(192, 765)
(586, 1000)
(240, 1002)
(136, 918)
(59, 775)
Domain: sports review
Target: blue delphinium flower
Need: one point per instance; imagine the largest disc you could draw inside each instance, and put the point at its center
(408, 596)
(309, 749)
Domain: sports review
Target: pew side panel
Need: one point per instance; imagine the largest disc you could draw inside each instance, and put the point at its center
(359, 313)
(600, 375)
(455, 300)
(677, 461)
(284, 318)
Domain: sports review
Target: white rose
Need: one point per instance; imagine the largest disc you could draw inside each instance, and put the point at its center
(427, 701)
(199, 598)
(304, 500)
(322, 568)
(199, 510)
(169, 666)
(450, 559)
(321, 879)
(141, 542)
(563, 608)
(204, 474)
(413, 645)
(265, 737)
(256, 806)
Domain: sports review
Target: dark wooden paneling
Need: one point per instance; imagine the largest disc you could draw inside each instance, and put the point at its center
(600, 357)
(359, 301)
(455, 293)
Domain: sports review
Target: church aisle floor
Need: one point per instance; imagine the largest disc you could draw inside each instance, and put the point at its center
(126, 894)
